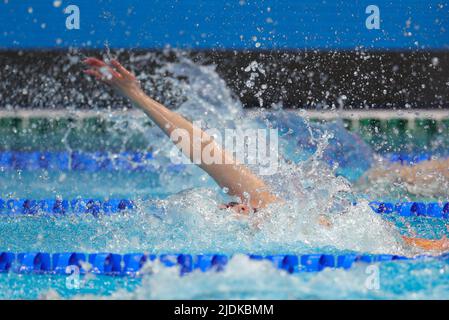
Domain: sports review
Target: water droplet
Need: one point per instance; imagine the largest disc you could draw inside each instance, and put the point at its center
(435, 61)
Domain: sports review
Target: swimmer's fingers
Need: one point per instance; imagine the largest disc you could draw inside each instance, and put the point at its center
(95, 73)
(94, 62)
(103, 68)
(122, 70)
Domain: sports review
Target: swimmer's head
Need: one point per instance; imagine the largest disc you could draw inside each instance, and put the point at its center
(240, 208)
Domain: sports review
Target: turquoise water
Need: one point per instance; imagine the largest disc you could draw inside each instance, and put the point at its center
(191, 225)
(178, 212)
(244, 279)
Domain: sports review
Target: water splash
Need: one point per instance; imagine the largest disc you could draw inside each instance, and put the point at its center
(190, 220)
(311, 179)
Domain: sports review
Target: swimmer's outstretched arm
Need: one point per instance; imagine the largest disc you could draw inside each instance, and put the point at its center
(237, 178)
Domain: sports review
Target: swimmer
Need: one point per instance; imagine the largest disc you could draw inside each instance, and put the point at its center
(235, 177)
(417, 173)
(252, 191)
(427, 178)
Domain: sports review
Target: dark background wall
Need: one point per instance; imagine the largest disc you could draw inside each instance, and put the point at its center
(343, 79)
(315, 54)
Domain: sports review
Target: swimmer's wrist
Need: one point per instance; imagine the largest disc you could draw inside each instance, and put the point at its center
(140, 99)
(135, 95)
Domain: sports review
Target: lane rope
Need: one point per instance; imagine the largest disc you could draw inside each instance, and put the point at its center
(97, 207)
(131, 264)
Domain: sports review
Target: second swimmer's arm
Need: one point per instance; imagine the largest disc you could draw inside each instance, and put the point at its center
(440, 245)
(237, 178)
(422, 173)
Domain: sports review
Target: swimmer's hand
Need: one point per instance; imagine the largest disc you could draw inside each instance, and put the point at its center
(115, 75)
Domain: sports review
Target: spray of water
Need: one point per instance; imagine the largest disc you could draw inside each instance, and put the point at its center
(190, 221)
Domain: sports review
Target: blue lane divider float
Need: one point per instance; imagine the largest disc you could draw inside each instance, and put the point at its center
(33, 262)
(96, 207)
(104, 263)
(410, 159)
(131, 264)
(61, 261)
(61, 207)
(412, 209)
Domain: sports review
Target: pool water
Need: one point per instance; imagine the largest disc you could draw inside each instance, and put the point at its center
(177, 212)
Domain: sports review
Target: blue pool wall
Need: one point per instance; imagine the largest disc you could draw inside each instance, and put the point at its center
(290, 24)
